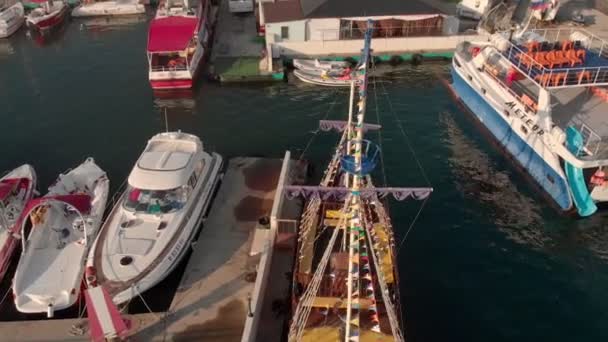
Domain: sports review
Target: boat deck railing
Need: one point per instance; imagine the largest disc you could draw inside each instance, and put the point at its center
(593, 146)
(563, 77)
(161, 68)
(591, 41)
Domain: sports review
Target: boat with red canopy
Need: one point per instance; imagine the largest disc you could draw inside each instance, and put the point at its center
(16, 188)
(65, 223)
(177, 42)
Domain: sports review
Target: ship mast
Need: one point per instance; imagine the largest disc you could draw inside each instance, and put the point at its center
(355, 230)
(356, 158)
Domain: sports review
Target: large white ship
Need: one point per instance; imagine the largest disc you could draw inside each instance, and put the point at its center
(542, 94)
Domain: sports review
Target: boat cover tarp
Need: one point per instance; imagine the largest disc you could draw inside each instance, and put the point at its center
(105, 321)
(81, 202)
(171, 34)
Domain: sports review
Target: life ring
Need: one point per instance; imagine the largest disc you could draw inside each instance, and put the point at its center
(475, 51)
(172, 63)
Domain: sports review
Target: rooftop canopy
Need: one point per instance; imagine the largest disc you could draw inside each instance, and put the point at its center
(171, 34)
(161, 170)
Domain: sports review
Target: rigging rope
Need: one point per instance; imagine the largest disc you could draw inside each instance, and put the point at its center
(379, 133)
(406, 138)
(304, 307)
(331, 106)
(412, 224)
(424, 175)
(377, 254)
(5, 296)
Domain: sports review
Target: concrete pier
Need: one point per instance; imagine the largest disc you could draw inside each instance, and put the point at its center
(237, 49)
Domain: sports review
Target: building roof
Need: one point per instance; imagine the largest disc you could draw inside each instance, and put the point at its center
(290, 10)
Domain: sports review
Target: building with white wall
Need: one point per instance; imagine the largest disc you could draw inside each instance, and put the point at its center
(335, 27)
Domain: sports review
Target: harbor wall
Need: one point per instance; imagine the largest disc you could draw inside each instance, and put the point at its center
(352, 47)
(257, 297)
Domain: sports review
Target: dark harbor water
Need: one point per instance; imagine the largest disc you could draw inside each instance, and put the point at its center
(488, 258)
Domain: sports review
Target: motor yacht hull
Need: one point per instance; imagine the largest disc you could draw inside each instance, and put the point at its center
(542, 165)
(137, 249)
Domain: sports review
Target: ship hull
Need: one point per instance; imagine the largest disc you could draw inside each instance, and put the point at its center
(553, 183)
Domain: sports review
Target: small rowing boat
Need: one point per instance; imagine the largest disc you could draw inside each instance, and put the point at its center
(325, 78)
(316, 65)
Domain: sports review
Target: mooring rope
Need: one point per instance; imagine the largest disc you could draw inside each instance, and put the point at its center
(409, 229)
(405, 136)
(316, 132)
(418, 163)
(384, 178)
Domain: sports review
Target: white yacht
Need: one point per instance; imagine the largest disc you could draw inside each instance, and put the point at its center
(90, 8)
(65, 223)
(155, 219)
(542, 94)
(12, 16)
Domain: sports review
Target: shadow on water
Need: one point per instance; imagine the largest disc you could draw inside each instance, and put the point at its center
(477, 177)
(510, 203)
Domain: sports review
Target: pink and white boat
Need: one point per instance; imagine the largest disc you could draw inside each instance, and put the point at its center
(16, 190)
(177, 42)
(48, 15)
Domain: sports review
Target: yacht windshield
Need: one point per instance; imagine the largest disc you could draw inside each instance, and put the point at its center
(155, 201)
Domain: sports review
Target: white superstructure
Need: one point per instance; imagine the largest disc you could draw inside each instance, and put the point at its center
(541, 95)
(154, 221)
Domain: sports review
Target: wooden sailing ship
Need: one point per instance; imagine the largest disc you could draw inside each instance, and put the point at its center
(345, 281)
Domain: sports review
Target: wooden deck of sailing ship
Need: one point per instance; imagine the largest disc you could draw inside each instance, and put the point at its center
(345, 281)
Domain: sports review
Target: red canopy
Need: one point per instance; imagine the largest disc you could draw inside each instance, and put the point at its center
(171, 33)
(81, 202)
(7, 186)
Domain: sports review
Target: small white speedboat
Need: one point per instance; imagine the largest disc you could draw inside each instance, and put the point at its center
(113, 7)
(65, 223)
(16, 189)
(316, 65)
(328, 79)
(12, 15)
(153, 223)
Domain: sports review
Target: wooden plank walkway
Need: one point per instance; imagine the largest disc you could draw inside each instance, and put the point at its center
(211, 302)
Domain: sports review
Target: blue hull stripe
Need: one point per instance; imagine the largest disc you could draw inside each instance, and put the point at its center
(534, 164)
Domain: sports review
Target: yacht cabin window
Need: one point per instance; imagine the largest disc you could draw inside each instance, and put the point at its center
(156, 201)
